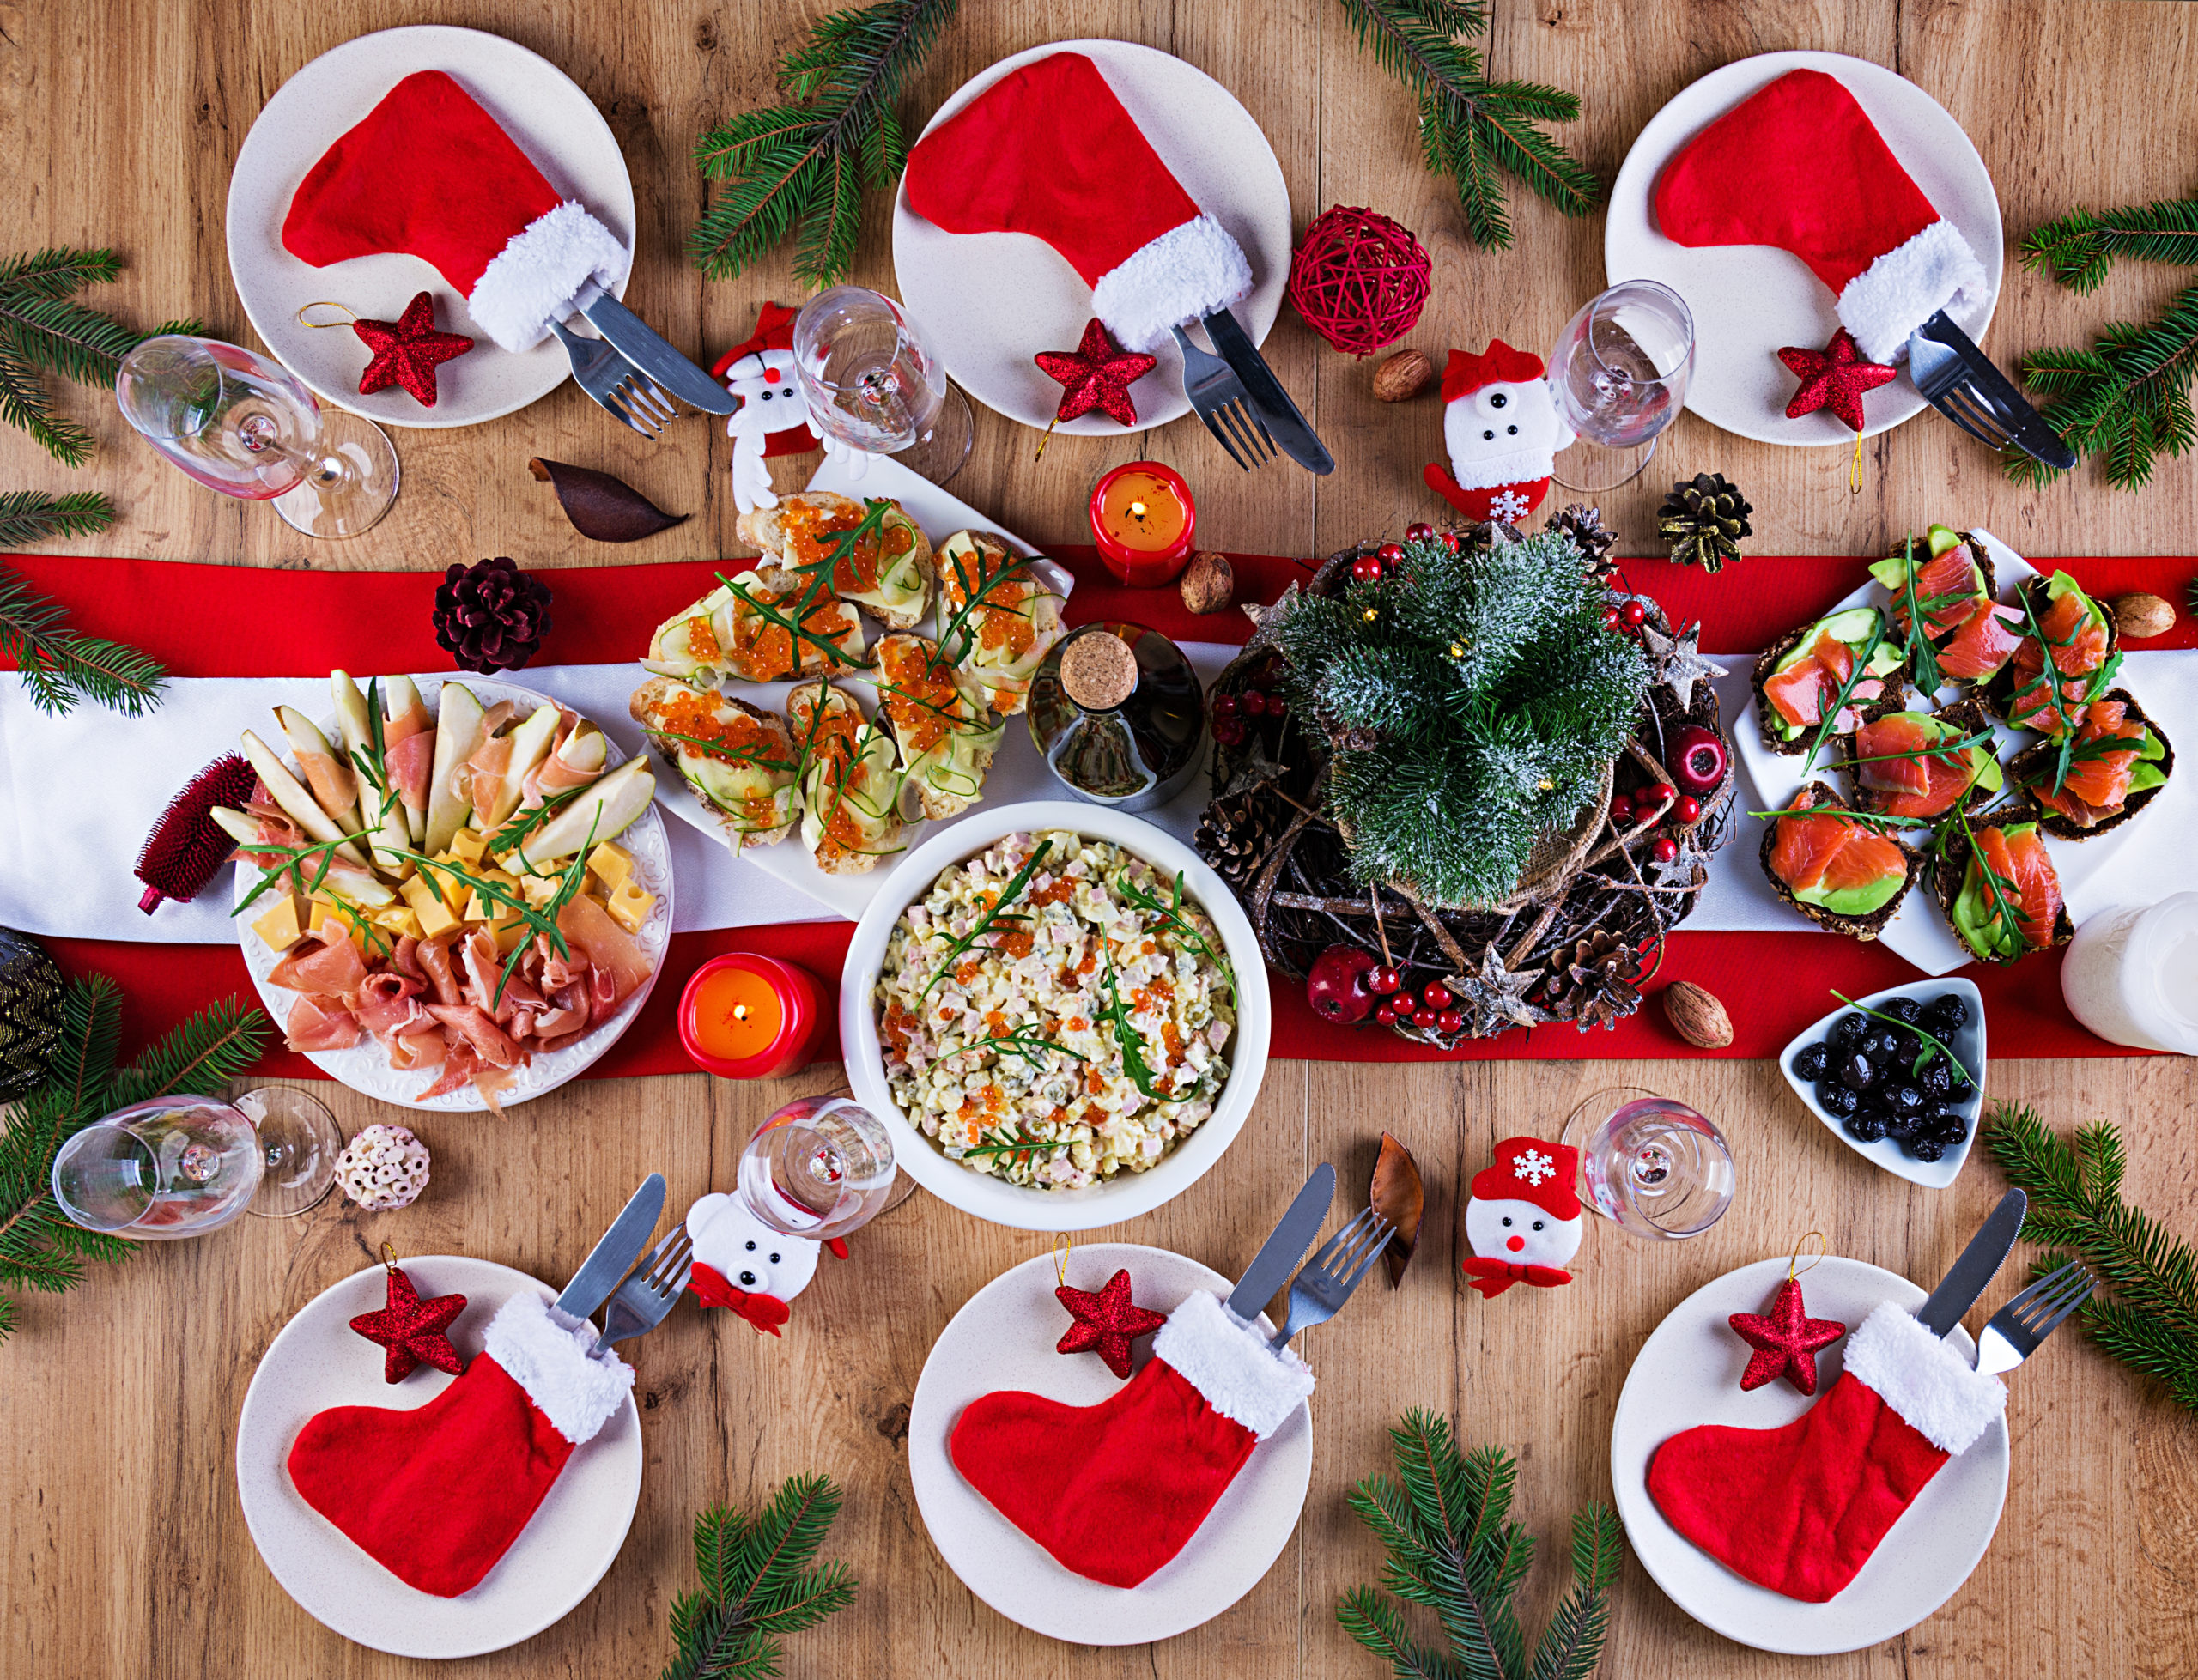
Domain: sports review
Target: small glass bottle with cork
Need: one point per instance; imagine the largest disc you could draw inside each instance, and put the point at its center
(1118, 714)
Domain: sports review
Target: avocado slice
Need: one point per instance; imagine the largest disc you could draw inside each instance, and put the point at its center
(1972, 911)
(1853, 901)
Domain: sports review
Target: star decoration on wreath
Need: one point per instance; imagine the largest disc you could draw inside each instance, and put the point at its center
(415, 1332)
(1096, 374)
(407, 350)
(1677, 872)
(1495, 997)
(1678, 663)
(1834, 378)
(1107, 1322)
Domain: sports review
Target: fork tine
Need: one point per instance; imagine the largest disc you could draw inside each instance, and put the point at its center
(2071, 1284)
(669, 1259)
(1986, 423)
(1250, 416)
(1381, 1235)
(1953, 411)
(1233, 413)
(2052, 1280)
(2069, 1303)
(650, 421)
(1336, 1249)
(648, 395)
(1222, 438)
(611, 403)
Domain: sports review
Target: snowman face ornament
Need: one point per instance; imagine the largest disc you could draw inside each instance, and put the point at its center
(740, 1263)
(1524, 1221)
(1523, 1232)
(771, 398)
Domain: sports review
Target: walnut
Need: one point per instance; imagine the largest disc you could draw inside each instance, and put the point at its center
(1403, 376)
(1208, 583)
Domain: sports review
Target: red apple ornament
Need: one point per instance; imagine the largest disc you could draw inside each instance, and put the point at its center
(1699, 765)
(1337, 985)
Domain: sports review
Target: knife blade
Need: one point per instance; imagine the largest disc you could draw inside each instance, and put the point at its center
(2026, 428)
(642, 345)
(1965, 1280)
(1291, 431)
(612, 1258)
(1285, 1244)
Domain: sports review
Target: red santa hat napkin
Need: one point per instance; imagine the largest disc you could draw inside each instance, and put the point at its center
(1799, 166)
(1527, 1170)
(1049, 150)
(429, 172)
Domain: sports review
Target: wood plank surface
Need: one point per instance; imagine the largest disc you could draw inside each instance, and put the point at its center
(124, 1552)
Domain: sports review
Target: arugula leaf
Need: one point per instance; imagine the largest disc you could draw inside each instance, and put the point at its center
(994, 915)
(1931, 1047)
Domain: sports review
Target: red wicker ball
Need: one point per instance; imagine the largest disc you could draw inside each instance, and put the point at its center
(1359, 279)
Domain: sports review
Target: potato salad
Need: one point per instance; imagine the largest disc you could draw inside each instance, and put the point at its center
(1055, 1012)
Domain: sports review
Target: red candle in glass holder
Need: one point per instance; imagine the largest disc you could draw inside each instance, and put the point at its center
(1143, 520)
(747, 1016)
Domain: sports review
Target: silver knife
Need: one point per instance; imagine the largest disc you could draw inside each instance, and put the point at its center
(642, 345)
(1285, 1246)
(1973, 1271)
(612, 1259)
(1940, 356)
(1290, 429)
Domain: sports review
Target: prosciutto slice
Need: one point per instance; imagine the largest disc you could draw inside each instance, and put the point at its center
(433, 955)
(574, 762)
(332, 969)
(483, 773)
(588, 927)
(317, 1024)
(389, 1007)
(416, 1052)
(459, 1065)
(409, 748)
(489, 1040)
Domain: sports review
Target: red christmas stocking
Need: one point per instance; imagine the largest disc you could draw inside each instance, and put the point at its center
(1115, 1490)
(1799, 1509)
(437, 1494)
(429, 172)
(1049, 150)
(1800, 166)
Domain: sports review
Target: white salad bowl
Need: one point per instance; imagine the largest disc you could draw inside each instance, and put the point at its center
(1129, 1194)
(1968, 1044)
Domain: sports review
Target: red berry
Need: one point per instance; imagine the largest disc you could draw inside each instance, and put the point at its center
(1224, 706)
(1437, 996)
(1426, 1020)
(1419, 531)
(1621, 809)
(1613, 619)
(1276, 706)
(1450, 1022)
(1384, 981)
(1406, 1002)
(1254, 703)
(1450, 541)
(1686, 807)
(1665, 849)
(1228, 731)
(1653, 798)
(1366, 569)
(1389, 556)
(1386, 1013)
(1635, 613)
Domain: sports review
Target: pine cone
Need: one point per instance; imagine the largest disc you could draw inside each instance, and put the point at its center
(491, 616)
(1703, 519)
(30, 1013)
(1594, 539)
(1590, 983)
(1234, 836)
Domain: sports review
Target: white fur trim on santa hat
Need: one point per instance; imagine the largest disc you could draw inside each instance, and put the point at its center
(1229, 1362)
(535, 277)
(1192, 269)
(1931, 1386)
(1906, 287)
(547, 1354)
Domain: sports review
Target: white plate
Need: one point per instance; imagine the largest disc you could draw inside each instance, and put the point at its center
(317, 1361)
(365, 1067)
(1003, 1338)
(1130, 1194)
(1968, 1045)
(1688, 1372)
(1749, 300)
(989, 302)
(1918, 929)
(547, 118)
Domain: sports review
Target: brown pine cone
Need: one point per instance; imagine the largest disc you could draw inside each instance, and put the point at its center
(1703, 519)
(1234, 835)
(1594, 539)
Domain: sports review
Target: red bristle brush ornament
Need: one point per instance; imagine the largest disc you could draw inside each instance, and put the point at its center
(185, 847)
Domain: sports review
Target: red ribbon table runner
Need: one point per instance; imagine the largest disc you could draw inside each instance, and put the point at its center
(221, 620)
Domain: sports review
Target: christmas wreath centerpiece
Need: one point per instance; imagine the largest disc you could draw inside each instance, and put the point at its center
(1481, 770)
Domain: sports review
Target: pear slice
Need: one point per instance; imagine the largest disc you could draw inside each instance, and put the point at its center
(380, 812)
(530, 744)
(290, 794)
(602, 811)
(353, 880)
(401, 699)
(458, 733)
(324, 769)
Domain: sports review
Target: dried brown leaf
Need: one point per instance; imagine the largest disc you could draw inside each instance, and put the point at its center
(1399, 1197)
(607, 509)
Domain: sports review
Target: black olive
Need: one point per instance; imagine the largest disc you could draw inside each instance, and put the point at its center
(1811, 1061)
(1836, 1099)
(1952, 1009)
(1857, 1072)
(1904, 1100)
(1952, 1128)
(1867, 1127)
(1846, 1032)
(1927, 1149)
(1937, 1079)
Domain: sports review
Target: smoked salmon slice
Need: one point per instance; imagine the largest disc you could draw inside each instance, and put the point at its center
(2079, 646)
(1953, 574)
(1834, 852)
(2036, 899)
(1796, 694)
(1981, 645)
(1899, 732)
(2097, 785)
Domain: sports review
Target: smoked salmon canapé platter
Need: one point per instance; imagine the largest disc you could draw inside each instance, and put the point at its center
(452, 894)
(1962, 726)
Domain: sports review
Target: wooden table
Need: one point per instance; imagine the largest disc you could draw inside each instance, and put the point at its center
(123, 1550)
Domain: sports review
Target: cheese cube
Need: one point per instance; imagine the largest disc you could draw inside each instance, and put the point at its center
(399, 919)
(629, 905)
(611, 864)
(481, 907)
(343, 916)
(541, 889)
(419, 892)
(446, 883)
(436, 919)
(468, 847)
(280, 926)
(510, 935)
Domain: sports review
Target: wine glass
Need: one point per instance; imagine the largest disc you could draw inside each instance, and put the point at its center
(818, 1168)
(1651, 1165)
(874, 387)
(1620, 371)
(182, 1166)
(243, 425)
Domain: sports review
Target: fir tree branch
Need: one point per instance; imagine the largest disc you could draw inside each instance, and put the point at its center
(2079, 248)
(59, 667)
(28, 517)
(758, 1582)
(2125, 402)
(43, 330)
(802, 167)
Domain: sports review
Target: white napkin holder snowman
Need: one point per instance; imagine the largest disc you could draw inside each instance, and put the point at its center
(1502, 432)
(1523, 1221)
(774, 417)
(744, 1265)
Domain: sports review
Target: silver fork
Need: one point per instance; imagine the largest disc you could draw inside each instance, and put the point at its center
(1317, 1294)
(1220, 398)
(653, 1290)
(610, 379)
(2016, 1329)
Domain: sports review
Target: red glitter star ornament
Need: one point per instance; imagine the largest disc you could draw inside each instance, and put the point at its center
(1785, 1340)
(1107, 1322)
(1096, 374)
(412, 1330)
(407, 350)
(1834, 378)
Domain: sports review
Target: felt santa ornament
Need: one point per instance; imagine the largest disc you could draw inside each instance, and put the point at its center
(429, 172)
(1115, 1490)
(1799, 1509)
(1800, 166)
(437, 1494)
(1501, 431)
(1523, 1220)
(744, 1265)
(1049, 150)
(774, 417)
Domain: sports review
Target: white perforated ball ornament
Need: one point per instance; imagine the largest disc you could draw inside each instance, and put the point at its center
(384, 1167)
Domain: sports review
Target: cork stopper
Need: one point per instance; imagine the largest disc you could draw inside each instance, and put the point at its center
(1098, 670)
